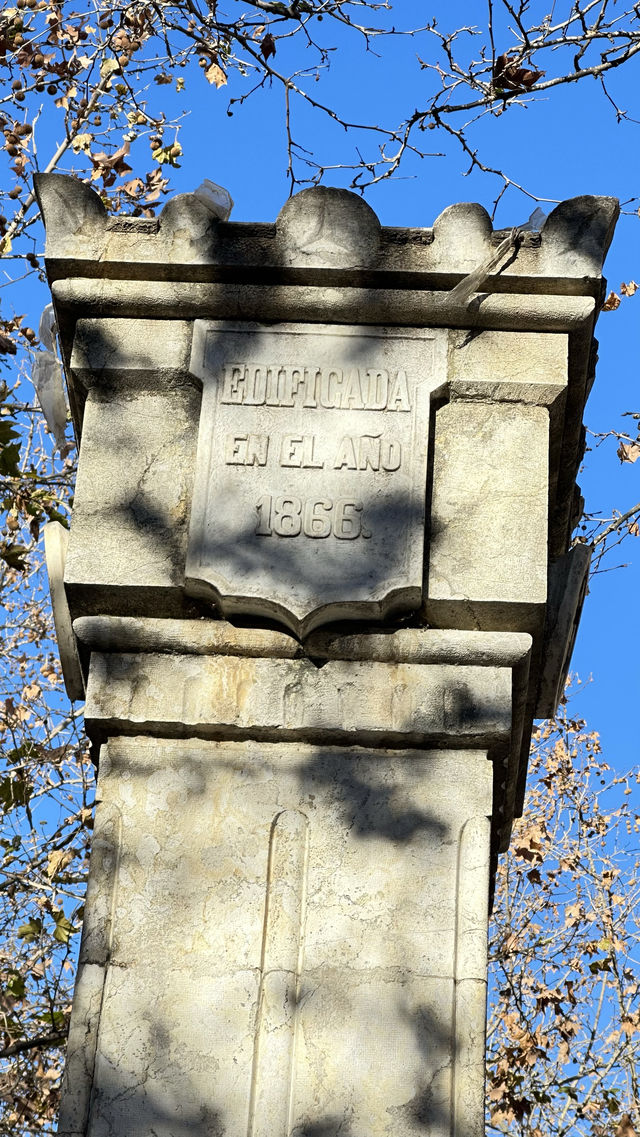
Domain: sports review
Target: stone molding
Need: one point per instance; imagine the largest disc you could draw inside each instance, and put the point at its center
(209, 679)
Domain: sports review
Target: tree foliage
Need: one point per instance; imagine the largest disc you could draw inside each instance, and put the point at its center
(102, 69)
(46, 786)
(564, 1024)
(100, 90)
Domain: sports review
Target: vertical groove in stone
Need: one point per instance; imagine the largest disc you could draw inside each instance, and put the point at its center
(113, 865)
(281, 965)
(470, 972)
(79, 1089)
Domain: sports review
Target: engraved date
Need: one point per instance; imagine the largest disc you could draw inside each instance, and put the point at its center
(290, 516)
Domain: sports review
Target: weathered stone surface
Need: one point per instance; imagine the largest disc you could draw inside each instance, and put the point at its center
(131, 353)
(487, 562)
(567, 589)
(577, 235)
(147, 361)
(76, 217)
(325, 229)
(328, 228)
(208, 637)
(320, 303)
(188, 230)
(470, 977)
(56, 540)
(232, 697)
(457, 650)
(311, 473)
(133, 493)
(309, 919)
(79, 229)
(461, 236)
(527, 367)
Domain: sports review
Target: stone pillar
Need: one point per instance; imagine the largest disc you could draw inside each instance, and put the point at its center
(317, 586)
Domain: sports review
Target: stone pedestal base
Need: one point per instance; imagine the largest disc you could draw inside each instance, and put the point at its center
(282, 939)
(285, 930)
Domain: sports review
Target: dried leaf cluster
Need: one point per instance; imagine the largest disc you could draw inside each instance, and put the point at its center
(564, 1020)
(46, 785)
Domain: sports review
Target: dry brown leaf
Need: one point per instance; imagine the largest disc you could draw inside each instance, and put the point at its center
(214, 74)
(134, 187)
(81, 142)
(498, 1091)
(511, 79)
(572, 914)
(629, 289)
(268, 46)
(629, 451)
(58, 860)
(108, 67)
(624, 1127)
(611, 303)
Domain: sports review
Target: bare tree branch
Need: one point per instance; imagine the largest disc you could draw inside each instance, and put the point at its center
(22, 1045)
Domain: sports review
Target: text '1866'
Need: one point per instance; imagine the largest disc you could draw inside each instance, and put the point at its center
(313, 517)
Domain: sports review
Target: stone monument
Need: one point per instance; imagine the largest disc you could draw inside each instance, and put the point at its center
(319, 581)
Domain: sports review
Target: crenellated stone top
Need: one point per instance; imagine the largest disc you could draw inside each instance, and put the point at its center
(323, 230)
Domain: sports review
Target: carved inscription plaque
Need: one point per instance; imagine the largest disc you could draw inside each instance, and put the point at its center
(311, 471)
